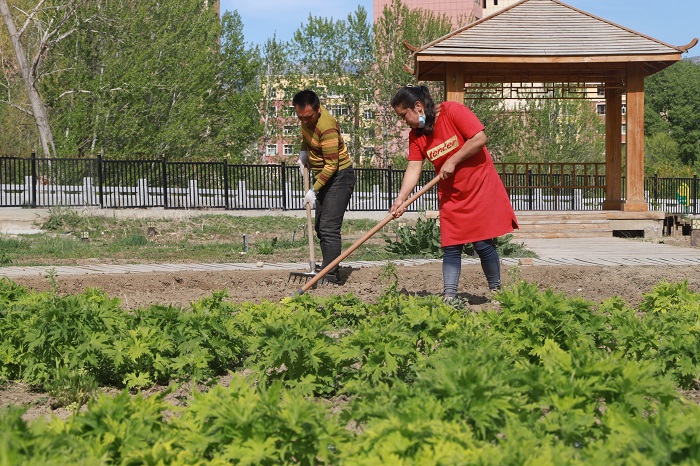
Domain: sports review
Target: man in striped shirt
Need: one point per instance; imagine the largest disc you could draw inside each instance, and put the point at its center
(324, 151)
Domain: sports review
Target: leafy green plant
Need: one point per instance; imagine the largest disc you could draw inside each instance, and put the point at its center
(71, 386)
(61, 218)
(423, 239)
(505, 247)
(133, 241)
(266, 247)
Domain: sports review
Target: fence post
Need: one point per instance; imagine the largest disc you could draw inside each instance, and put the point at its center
(695, 193)
(655, 190)
(164, 169)
(391, 188)
(283, 187)
(34, 180)
(100, 192)
(529, 190)
(227, 203)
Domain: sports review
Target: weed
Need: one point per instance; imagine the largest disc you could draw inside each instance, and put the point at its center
(71, 386)
(423, 239)
(133, 241)
(60, 218)
(267, 247)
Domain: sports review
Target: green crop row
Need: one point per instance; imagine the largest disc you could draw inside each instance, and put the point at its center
(545, 380)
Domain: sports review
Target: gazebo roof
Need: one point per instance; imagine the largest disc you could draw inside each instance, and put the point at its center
(543, 40)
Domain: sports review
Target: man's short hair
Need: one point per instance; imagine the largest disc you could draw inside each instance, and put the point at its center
(306, 97)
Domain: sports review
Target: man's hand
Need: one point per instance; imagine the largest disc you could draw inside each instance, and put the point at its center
(303, 161)
(310, 198)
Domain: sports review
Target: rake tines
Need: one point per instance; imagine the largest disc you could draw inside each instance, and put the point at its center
(303, 277)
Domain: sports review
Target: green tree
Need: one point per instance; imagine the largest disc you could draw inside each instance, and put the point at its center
(672, 99)
(334, 57)
(242, 93)
(396, 26)
(35, 29)
(140, 80)
(561, 129)
(661, 156)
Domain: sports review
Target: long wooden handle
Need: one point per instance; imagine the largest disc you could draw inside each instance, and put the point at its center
(309, 224)
(367, 236)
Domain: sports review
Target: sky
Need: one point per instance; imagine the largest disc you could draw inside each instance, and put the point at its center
(675, 22)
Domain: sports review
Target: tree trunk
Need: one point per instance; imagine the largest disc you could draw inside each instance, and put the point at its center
(38, 108)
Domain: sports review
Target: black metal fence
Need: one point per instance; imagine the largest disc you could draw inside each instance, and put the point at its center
(39, 182)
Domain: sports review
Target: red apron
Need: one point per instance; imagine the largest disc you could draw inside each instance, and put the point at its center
(474, 205)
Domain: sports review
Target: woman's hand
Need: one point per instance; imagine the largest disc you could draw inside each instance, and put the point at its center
(395, 210)
(447, 169)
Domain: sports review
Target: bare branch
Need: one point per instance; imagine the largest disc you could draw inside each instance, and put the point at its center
(79, 91)
(30, 16)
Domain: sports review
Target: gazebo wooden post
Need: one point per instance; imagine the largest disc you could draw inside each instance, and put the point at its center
(454, 83)
(635, 201)
(613, 147)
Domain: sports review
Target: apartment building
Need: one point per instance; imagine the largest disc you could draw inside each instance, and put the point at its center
(451, 8)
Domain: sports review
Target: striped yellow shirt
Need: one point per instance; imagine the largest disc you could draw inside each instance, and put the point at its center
(327, 150)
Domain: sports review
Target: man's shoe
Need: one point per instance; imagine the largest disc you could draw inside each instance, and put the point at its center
(331, 279)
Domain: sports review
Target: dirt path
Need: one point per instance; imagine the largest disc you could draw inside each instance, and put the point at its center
(181, 288)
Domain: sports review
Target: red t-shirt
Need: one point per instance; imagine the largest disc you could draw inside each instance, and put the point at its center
(474, 205)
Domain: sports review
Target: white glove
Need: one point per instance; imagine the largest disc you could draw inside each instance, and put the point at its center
(301, 167)
(310, 198)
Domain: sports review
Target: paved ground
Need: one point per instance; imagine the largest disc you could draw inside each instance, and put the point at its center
(559, 251)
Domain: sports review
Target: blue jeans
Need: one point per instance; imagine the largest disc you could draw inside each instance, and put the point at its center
(331, 203)
(452, 265)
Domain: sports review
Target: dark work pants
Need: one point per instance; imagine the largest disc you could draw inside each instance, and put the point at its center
(331, 203)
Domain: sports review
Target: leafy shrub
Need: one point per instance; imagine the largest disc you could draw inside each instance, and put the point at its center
(61, 218)
(407, 380)
(134, 241)
(424, 240)
(421, 240)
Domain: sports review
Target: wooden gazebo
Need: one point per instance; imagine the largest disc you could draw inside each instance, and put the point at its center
(547, 41)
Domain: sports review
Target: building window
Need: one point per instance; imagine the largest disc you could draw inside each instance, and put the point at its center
(290, 111)
(600, 109)
(368, 115)
(624, 109)
(337, 110)
(624, 129)
(600, 91)
(271, 149)
(288, 149)
(289, 130)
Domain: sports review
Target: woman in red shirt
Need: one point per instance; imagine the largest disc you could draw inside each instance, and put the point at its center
(474, 205)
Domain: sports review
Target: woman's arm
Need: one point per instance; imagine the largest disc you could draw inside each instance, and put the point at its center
(470, 147)
(410, 180)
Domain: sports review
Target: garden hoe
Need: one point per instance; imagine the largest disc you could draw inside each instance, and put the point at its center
(311, 283)
(303, 276)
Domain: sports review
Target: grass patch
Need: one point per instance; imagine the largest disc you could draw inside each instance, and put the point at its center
(74, 238)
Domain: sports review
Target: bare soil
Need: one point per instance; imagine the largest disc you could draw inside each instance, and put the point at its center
(181, 288)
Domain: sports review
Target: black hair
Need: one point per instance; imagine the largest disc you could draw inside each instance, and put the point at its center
(306, 97)
(407, 96)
